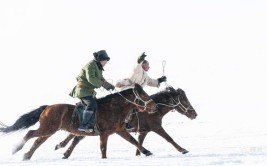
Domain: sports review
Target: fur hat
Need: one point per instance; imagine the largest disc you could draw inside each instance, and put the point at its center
(101, 56)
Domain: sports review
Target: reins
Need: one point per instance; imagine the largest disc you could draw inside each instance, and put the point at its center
(2, 124)
(137, 97)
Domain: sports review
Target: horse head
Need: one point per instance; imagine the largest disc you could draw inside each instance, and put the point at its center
(182, 104)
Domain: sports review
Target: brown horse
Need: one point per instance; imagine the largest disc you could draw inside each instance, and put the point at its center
(167, 100)
(112, 110)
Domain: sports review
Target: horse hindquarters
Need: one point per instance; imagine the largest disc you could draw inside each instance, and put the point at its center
(48, 126)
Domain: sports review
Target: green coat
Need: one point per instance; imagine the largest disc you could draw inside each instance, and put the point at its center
(91, 76)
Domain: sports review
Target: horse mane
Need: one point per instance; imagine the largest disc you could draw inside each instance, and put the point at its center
(164, 94)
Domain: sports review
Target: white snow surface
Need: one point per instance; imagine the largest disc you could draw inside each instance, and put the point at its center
(228, 141)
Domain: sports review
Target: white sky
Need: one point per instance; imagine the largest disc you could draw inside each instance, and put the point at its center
(214, 50)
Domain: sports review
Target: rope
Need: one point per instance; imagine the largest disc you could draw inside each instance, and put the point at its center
(137, 97)
(2, 124)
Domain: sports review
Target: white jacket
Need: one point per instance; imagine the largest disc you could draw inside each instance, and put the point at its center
(139, 76)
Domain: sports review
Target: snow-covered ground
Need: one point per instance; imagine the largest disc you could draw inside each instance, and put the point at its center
(228, 141)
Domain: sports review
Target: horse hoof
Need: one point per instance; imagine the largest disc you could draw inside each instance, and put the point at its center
(185, 151)
(64, 157)
(148, 153)
(58, 146)
(26, 157)
(16, 149)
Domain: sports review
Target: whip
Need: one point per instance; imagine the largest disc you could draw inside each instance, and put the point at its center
(163, 66)
(163, 71)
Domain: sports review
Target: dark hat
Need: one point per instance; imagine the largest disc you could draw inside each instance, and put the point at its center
(101, 56)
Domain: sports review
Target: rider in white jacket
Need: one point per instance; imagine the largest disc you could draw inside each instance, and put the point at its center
(139, 76)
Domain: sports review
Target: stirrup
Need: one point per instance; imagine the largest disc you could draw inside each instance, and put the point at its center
(128, 126)
(86, 130)
(90, 130)
(82, 129)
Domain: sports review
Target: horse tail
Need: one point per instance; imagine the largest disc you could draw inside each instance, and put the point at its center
(24, 121)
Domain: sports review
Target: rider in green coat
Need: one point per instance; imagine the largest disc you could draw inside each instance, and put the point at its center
(90, 78)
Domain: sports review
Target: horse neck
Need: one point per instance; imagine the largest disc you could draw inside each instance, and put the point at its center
(122, 105)
(163, 110)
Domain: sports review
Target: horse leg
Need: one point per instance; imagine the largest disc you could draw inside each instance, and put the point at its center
(42, 133)
(103, 145)
(28, 136)
(64, 142)
(36, 144)
(141, 138)
(75, 141)
(160, 131)
(124, 134)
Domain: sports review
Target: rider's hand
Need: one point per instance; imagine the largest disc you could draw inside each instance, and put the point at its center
(162, 79)
(108, 86)
(141, 58)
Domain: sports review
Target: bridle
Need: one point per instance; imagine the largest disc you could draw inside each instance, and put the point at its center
(177, 103)
(138, 98)
(180, 105)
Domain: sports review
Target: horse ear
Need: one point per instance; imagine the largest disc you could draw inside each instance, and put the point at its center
(179, 90)
(170, 88)
(138, 87)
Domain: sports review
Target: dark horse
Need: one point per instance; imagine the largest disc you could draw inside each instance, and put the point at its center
(167, 100)
(112, 110)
